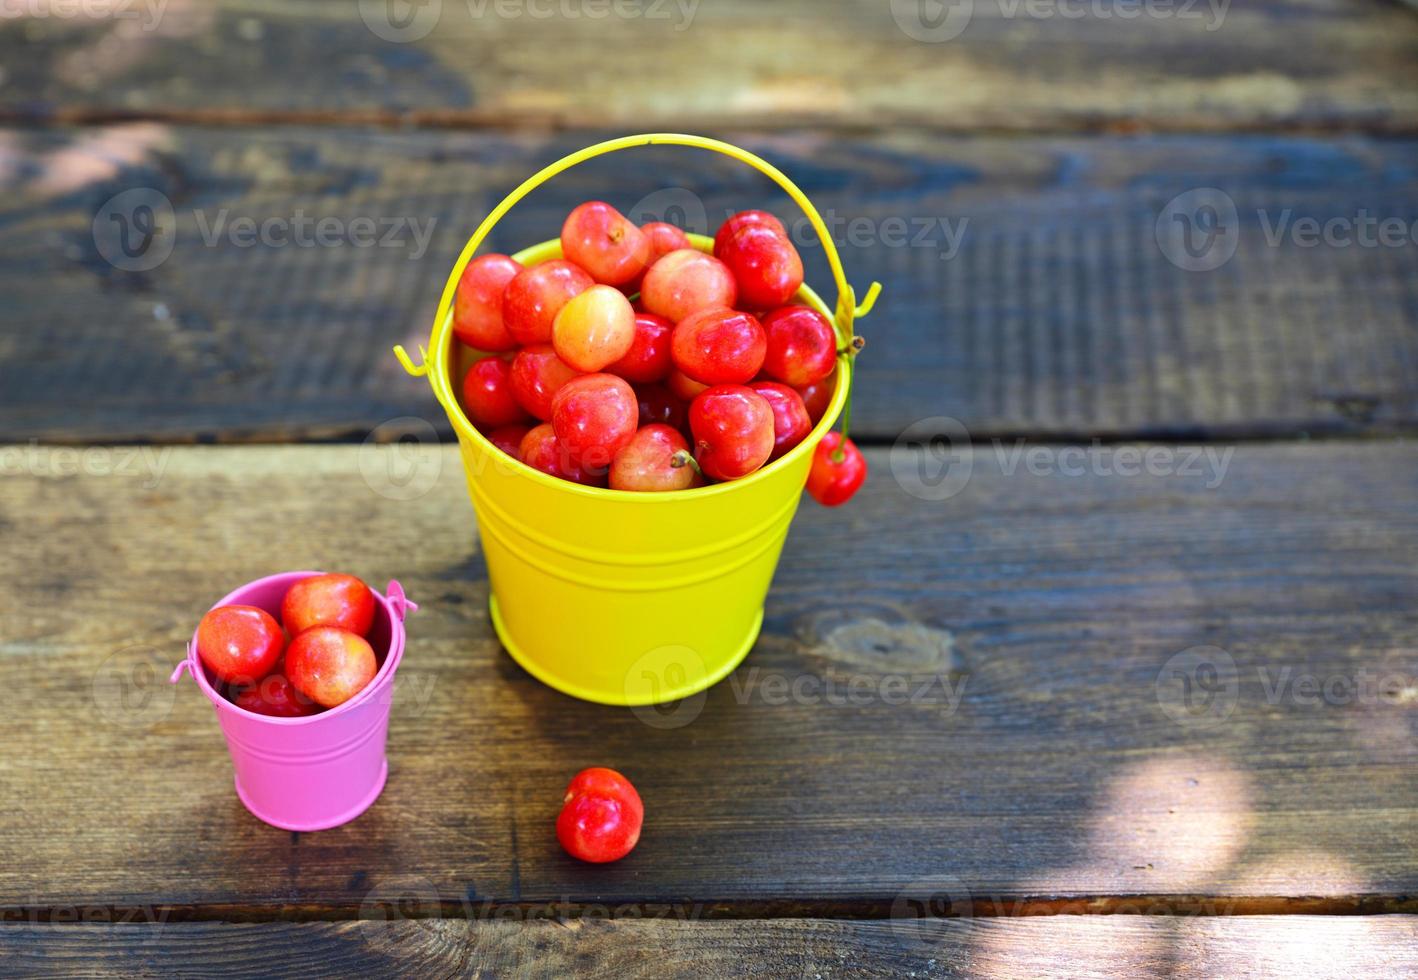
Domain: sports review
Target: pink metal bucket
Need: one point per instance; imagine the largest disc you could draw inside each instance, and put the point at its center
(323, 770)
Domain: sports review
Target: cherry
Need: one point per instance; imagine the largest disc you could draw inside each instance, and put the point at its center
(488, 396)
(766, 267)
(594, 416)
(535, 296)
(818, 395)
(601, 816)
(330, 665)
(802, 346)
(605, 243)
(646, 462)
(719, 346)
(477, 305)
(594, 328)
(838, 470)
(509, 438)
(541, 451)
(684, 281)
(239, 644)
(664, 239)
(733, 431)
(659, 407)
(742, 220)
(791, 423)
(649, 356)
(537, 375)
(328, 600)
(275, 696)
(682, 386)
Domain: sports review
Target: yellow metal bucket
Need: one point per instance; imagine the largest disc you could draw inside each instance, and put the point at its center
(617, 597)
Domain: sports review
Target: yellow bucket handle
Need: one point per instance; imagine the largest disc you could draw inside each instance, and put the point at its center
(847, 309)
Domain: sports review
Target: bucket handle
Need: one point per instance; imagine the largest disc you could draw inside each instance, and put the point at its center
(402, 604)
(847, 310)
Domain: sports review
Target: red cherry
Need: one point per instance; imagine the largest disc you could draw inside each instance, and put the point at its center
(488, 397)
(536, 295)
(766, 267)
(649, 356)
(605, 243)
(601, 816)
(594, 416)
(719, 347)
(682, 386)
(477, 305)
(818, 395)
(685, 281)
(664, 239)
(833, 481)
(275, 696)
(659, 407)
(537, 375)
(330, 665)
(790, 419)
(733, 431)
(541, 451)
(646, 462)
(594, 329)
(509, 438)
(328, 600)
(239, 644)
(742, 220)
(802, 346)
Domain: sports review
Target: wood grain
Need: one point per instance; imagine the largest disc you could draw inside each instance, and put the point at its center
(1015, 66)
(1060, 946)
(971, 704)
(1026, 293)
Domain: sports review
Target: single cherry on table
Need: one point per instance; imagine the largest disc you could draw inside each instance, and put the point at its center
(601, 816)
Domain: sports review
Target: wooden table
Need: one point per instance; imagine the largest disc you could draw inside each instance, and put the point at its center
(1131, 688)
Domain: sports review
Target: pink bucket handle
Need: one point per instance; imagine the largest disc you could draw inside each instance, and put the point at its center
(184, 665)
(402, 604)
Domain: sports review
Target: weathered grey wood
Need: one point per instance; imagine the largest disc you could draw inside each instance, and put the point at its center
(1025, 292)
(1017, 66)
(1058, 946)
(987, 716)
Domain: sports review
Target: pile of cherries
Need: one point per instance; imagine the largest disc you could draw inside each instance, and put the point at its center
(327, 662)
(638, 362)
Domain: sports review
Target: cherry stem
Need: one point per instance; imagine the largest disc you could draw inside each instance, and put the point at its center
(683, 458)
(854, 347)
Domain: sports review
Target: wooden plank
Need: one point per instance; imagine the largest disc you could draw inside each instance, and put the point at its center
(978, 700)
(1061, 946)
(1026, 292)
(995, 64)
